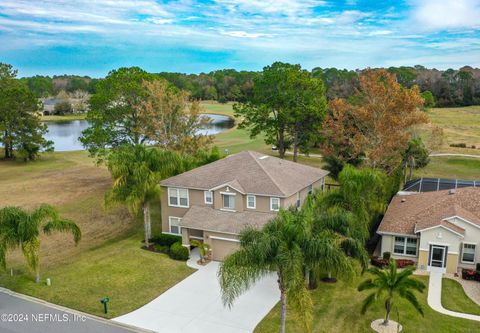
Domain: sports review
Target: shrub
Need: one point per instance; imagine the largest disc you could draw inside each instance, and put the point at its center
(166, 239)
(458, 145)
(387, 255)
(178, 252)
(162, 248)
(379, 262)
(62, 108)
(401, 263)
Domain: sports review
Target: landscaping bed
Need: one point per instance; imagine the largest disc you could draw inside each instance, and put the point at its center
(170, 245)
(381, 262)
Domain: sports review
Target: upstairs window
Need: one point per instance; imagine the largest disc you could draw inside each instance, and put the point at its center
(275, 204)
(405, 246)
(208, 197)
(251, 201)
(178, 197)
(228, 201)
(468, 253)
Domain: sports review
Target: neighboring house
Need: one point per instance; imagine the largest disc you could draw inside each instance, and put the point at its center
(439, 230)
(215, 202)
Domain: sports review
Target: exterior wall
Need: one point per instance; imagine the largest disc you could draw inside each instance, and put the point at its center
(442, 236)
(452, 263)
(195, 197)
(472, 235)
(388, 241)
(262, 204)
(217, 198)
(292, 200)
(423, 259)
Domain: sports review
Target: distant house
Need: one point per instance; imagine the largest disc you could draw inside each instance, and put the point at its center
(439, 230)
(215, 202)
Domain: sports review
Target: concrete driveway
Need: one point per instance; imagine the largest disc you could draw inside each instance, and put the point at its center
(194, 305)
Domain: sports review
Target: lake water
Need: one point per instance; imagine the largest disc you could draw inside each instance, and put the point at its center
(65, 134)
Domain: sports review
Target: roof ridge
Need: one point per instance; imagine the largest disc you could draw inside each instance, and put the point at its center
(267, 173)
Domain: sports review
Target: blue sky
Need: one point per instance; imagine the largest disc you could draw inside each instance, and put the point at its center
(92, 37)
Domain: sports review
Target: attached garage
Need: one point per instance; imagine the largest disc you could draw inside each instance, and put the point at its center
(222, 247)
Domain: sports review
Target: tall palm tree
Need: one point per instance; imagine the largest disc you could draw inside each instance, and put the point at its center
(275, 248)
(391, 283)
(136, 172)
(19, 228)
(334, 255)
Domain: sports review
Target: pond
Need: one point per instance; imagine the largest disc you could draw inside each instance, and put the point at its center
(65, 134)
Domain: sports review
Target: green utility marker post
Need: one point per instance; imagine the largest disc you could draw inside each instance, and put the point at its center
(104, 301)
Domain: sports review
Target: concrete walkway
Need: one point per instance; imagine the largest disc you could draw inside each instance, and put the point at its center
(435, 298)
(194, 306)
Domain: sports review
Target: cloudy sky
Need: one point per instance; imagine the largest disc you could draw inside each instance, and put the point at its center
(91, 37)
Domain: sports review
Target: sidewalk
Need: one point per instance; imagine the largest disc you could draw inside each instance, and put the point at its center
(435, 298)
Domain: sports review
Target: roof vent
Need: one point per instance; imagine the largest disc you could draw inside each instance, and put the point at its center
(263, 157)
(403, 199)
(452, 191)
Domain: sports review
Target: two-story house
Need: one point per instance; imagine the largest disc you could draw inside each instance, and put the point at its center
(213, 203)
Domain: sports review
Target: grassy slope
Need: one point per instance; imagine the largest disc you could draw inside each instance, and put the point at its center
(108, 260)
(459, 303)
(337, 309)
(452, 168)
(119, 269)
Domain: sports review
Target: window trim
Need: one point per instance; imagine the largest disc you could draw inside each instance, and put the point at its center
(254, 201)
(223, 202)
(205, 197)
(474, 252)
(177, 190)
(170, 225)
(405, 242)
(271, 204)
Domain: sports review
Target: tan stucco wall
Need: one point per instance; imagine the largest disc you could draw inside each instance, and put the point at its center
(195, 197)
(452, 263)
(422, 259)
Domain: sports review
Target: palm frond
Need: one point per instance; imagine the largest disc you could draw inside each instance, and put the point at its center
(367, 302)
(63, 226)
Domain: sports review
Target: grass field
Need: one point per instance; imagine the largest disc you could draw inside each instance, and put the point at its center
(107, 261)
(460, 302)
(119, 269)
(452, 168)
(460, 125)
(69, 117)
(337, 309)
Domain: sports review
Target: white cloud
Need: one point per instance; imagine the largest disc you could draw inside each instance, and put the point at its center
(443, 15)
(242, 34)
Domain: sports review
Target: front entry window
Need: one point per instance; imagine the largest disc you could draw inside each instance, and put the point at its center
(174, 225)
(437, 256)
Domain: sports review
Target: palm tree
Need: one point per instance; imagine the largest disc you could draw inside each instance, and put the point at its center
(136, 172)
(275, 248)
(334, 255)
(392, 283)
(19, 228)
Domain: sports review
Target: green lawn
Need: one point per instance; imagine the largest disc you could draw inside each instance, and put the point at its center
(69, 117)
(452, 168)
(119, 269)
(455, 299)
(217, 108)
(337, 309)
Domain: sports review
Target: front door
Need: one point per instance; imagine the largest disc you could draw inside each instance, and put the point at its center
(438, 257)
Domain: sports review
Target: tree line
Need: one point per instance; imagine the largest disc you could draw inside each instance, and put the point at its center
(444, 88)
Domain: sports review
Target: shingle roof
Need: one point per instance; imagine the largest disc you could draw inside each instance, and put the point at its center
(251, 171)
(407, 213)
(207, 218)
